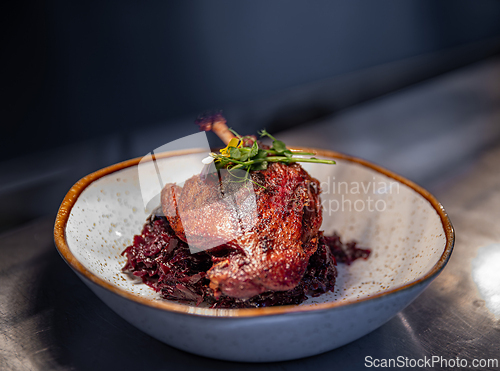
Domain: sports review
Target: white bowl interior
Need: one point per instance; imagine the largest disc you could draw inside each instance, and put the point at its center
(401, 227)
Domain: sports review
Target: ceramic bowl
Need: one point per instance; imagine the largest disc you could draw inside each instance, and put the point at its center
(410, 235)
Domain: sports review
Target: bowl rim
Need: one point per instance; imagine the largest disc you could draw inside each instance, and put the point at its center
(75, 191)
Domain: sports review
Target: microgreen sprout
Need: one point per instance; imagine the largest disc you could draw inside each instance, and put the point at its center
(252, 157)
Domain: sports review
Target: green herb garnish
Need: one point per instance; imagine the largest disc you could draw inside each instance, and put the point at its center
(250, 158)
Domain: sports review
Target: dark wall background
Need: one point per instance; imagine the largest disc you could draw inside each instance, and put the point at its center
(90, 83)
(74, 70)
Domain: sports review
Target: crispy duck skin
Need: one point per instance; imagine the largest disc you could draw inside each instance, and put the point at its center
(270, 244)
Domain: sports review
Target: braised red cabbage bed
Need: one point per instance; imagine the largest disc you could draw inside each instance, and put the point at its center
(165, 263)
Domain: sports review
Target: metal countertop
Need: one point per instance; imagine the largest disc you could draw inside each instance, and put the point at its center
(51, 321)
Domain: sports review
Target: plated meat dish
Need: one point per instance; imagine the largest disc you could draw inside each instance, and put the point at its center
(263, 248)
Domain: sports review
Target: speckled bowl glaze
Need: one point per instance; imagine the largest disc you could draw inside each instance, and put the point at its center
(407, 229)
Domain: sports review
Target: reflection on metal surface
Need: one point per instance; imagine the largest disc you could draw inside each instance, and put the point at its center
(414, 337)
(486, 275)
